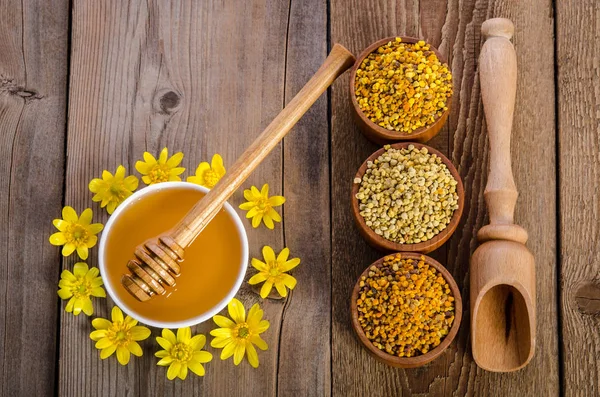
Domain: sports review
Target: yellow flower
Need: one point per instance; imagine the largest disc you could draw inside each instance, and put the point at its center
(79, 286)
(208, 175)
(120, 335)
(75, 233)
(260, 206)
(162, 170)
(182, 352)
(112, 190)
(273, 271)
(240, 335)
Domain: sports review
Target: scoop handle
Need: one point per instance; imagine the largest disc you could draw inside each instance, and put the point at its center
(338, 60)
(498, 80)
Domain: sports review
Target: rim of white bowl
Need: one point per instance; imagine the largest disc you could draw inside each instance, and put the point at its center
(194, 320)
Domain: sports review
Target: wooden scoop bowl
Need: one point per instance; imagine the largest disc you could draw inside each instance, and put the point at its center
(502, 269)
(156, 262)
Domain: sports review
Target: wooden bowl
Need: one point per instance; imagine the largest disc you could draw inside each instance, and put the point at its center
(416, 361)
(375, 132)
(383, 244)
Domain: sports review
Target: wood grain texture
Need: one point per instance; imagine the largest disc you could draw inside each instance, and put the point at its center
(304, 347)
(200, 77)
(33, 92)
(578, 59)
(454, 29)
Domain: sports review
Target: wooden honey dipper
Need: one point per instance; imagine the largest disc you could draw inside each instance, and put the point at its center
(502, 269)
(156, 262)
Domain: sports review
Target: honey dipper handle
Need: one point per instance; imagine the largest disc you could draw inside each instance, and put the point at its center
(498, 79)
(201, 214)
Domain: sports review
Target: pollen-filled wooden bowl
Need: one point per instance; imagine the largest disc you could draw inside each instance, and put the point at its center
(377, 133)
(415, 361)
(383, 244)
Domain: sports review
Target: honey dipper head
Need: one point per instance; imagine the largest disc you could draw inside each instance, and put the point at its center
(498, 27)
(155, 266)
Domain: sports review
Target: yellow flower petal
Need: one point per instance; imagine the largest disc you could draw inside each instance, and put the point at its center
(197, 342)
(283, 255)
(253, 212)
(68, 276)
(139, 332)
(149, 158)
(255, 193)
(69, 214)
(103, 343)
(236, 311)
(80, 269)
(266, 289)
(142, 168)
(184, 335)
(289, 265)
(98, 334)
(274, 215)
(202, 357)
(107, 352)
(87, 307)
(58, 239)
(247, 206)
(222, 332)
(82, 251)
(254, 316)
(288, 281)
(223, 321)
(120, 173)
(101, 323)
(196, 368)
(262, 327)
(135, 349)
(131, 182)
(162, 157)
(259, 342)
(228, 351)
(238, 353)
(268, 222)
(276, 201)
(183, 371)
(86, 217)
(165, 361)
(259, 265)
(116, 314)
(252, 355)
(70, 305)
(220, 342)
(162, 354)
(60, 224)
(123, 355)
(68, 249)
(257, 279)
(169, 335)
(256, 220)
(164, 343)
(265, 190)
(173, 370)
(98, 292)
(95, 228)
(64, 294)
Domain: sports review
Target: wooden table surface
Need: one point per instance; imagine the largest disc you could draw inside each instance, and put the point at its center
(87, 85)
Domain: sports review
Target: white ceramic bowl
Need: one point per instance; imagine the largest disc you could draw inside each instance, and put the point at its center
(194, 320)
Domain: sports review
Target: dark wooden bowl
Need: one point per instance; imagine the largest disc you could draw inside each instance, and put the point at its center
(416, 361)
(424, 247)
(382, 135)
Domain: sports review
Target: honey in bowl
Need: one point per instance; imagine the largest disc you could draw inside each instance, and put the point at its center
(213, 267)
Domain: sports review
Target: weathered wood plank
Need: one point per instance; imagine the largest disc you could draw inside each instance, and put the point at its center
(33, 92)
(304, 348)
(578, 59)
(200, 77)
(454, 28)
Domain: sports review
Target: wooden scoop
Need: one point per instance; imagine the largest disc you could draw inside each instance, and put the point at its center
(156, 262)
(502, 268)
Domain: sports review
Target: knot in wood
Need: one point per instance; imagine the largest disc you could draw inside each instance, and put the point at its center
(167, 101)
(587, 298)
